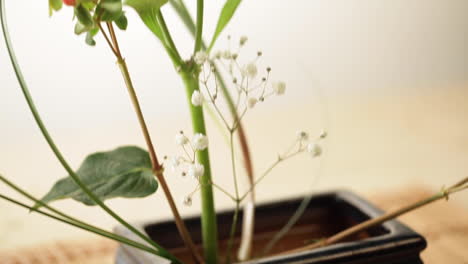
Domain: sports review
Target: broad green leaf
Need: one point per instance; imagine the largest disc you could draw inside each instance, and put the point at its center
(109, 10)
(147, 10)
(227, 12)
(54, 5)
(122, 22)
(123, 172)
(84, 17)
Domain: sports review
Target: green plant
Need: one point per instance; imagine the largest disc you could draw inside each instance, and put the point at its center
(130, 171)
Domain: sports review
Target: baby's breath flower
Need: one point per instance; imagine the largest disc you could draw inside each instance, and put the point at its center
(302, 136)
(314, 149)
(218, 54)
(196, 170)
(323, 134)
(251, 102)
(188, 200)
(181, 139)
(250, 70)
(226, 55)
(199, 142)
(175, 161)
(197, 98)
(243, 40)
(200, 57)
(279, 88)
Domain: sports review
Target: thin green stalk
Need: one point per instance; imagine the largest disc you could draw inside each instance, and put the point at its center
(199, 27)
(208, 217)
(168, 38)
(233, 164)
(237, 201)
(84, 227)
(232, 233)
(184, 14)
(80, 223)
(55, 149)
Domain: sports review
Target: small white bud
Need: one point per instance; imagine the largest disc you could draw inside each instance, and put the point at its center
(199, 142)
(323, 134)
(196, 170)
(243, 40)
(200, 57)
(197, 98)
(181, 139)
(251, 102)
(188, 201)
(175, 161)
(250, 70)
(314, 149)
(218, 54)
(226, 55)
(302, 136)
(279, 88)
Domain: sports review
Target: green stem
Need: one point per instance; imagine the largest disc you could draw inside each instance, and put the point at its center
(232, 233)
(175, 56)
(68, 219)
(233, 164)
(199, 28)
(84, 227)
(208, 217)
(55, 149)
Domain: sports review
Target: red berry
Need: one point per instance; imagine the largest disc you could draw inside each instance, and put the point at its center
(70, 2)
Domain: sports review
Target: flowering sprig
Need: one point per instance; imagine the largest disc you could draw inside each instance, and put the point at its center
(250, 85)
(301, 144)
(186, 164)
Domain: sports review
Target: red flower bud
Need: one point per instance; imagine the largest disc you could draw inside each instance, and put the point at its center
(69, 2)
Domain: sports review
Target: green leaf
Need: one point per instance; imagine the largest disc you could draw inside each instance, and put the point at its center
(122, 22)
(123, 172)
(109, 10)
(54, 5)
(147, 10)
(84, 17)
(227, 12)
(90, 36)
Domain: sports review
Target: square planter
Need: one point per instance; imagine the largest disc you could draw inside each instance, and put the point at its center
(326, 214)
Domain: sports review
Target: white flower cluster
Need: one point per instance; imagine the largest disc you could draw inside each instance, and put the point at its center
(186, 164)
(251, 84)
(302, 143)
(312, 147)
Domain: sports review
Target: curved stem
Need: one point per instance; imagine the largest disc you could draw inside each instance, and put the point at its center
(85, 227)
(77, 223)
(57, 152)
(168, 38)
(199, 27)
(208, 217)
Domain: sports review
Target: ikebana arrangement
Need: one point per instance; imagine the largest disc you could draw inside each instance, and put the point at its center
(215, 81)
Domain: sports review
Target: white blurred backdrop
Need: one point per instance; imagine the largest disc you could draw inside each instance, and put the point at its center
(387, 79)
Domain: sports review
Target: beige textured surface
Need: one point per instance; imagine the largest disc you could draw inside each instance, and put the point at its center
(445, 225)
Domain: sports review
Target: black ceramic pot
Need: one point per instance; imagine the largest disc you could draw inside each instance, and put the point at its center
(326, 214)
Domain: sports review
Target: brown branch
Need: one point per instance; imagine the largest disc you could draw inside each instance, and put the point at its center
(444, 194)
(157, 167)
